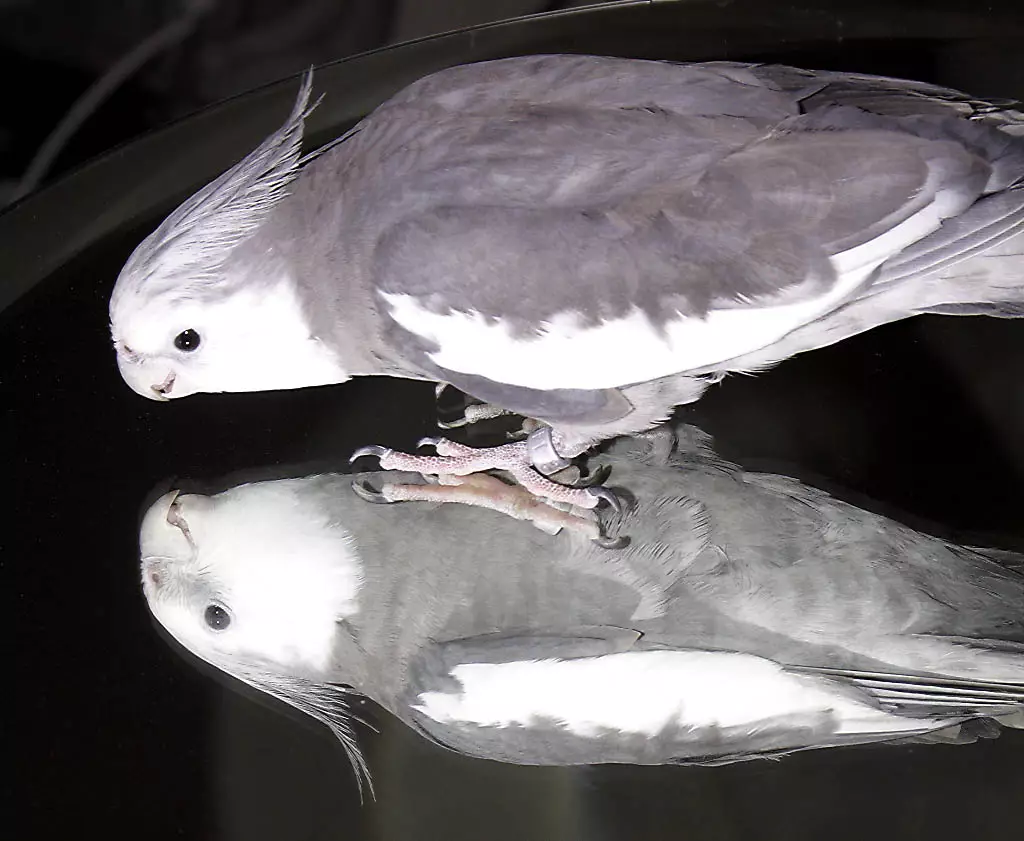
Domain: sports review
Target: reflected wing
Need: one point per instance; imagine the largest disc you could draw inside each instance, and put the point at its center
(586, 699)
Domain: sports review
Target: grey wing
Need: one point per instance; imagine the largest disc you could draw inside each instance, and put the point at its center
(797, 560)
(770, 552)
(511, 216)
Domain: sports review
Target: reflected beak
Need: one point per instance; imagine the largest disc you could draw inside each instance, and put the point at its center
(164, 532)
(161, 391)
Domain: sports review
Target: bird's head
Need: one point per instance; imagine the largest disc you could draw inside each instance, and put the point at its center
(245, 331)
(255, 581)
(207, 303)
(256, 573)
(171, 345)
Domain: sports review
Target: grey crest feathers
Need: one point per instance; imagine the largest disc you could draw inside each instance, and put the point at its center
(199, 235)
(325, 703)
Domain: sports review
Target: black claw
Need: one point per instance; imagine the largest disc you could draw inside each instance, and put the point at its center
(450, 406)
(364, 491)
(374, 450)
(608, 496)
(591, 479)
(605, 542)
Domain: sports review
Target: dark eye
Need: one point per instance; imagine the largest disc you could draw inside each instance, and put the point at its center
(187, 340)
(217, 617)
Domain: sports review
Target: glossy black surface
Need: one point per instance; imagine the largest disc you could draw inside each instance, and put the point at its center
(117, 732)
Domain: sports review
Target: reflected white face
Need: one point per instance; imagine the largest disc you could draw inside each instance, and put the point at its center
(254, 581)
(253, 574)
(247, 340)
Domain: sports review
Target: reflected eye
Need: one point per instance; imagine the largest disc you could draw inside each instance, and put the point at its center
(187, 340)
(216, 617)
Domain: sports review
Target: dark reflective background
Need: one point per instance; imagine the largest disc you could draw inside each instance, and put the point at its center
(119, 733)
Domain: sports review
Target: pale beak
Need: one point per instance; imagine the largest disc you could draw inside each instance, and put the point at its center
(164, 532)
(152, 379)
(164, 389)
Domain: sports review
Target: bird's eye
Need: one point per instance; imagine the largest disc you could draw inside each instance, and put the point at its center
(216, 617)
(187, 340)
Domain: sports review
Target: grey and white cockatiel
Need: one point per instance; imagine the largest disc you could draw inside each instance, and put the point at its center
(584, 241)
(750, 616)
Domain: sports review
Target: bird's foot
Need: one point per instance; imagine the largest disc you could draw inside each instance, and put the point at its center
(485, 491)
(455, 459)
(535, 498)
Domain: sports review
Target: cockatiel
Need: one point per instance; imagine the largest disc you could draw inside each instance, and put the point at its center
(750, 616)
(584, 241)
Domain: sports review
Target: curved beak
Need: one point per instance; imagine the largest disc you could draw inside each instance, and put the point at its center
(164, 533)
(153, 379)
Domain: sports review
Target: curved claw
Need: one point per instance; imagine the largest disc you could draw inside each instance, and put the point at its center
(428, 442)
(620, 542)
(363, 490)
(591, 479)
(608, 496)
(455, 424)
(374, 450)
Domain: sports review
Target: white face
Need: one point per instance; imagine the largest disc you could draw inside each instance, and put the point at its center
(254, 573)
(245, 341)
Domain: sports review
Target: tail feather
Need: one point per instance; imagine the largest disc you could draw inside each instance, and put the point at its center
(988, 224)
(990, 282)
(923, 696)
(1000, 309)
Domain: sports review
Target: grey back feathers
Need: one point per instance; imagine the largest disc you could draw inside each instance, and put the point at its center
(651, 184)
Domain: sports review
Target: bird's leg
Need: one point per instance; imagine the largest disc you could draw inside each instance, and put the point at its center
(489, 492)
(459, 460)
(476, 412)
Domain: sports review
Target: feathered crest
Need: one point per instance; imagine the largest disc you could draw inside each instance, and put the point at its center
(324, 702)
(200, 234)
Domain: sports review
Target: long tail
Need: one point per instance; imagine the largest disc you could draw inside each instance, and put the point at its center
(990, 283)
(973, 265)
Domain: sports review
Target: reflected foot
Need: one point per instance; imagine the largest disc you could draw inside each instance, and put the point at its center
(455, 459)
(459, 468)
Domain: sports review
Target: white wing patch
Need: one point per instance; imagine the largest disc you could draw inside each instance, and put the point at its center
(630, 350)
(642, 692)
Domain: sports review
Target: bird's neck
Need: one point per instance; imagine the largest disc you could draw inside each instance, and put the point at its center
(329, 274)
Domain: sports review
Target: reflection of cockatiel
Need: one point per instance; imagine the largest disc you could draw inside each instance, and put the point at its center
(584, 241)
(750, 616)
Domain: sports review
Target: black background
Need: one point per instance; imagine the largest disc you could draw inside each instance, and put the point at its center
(115, 731)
